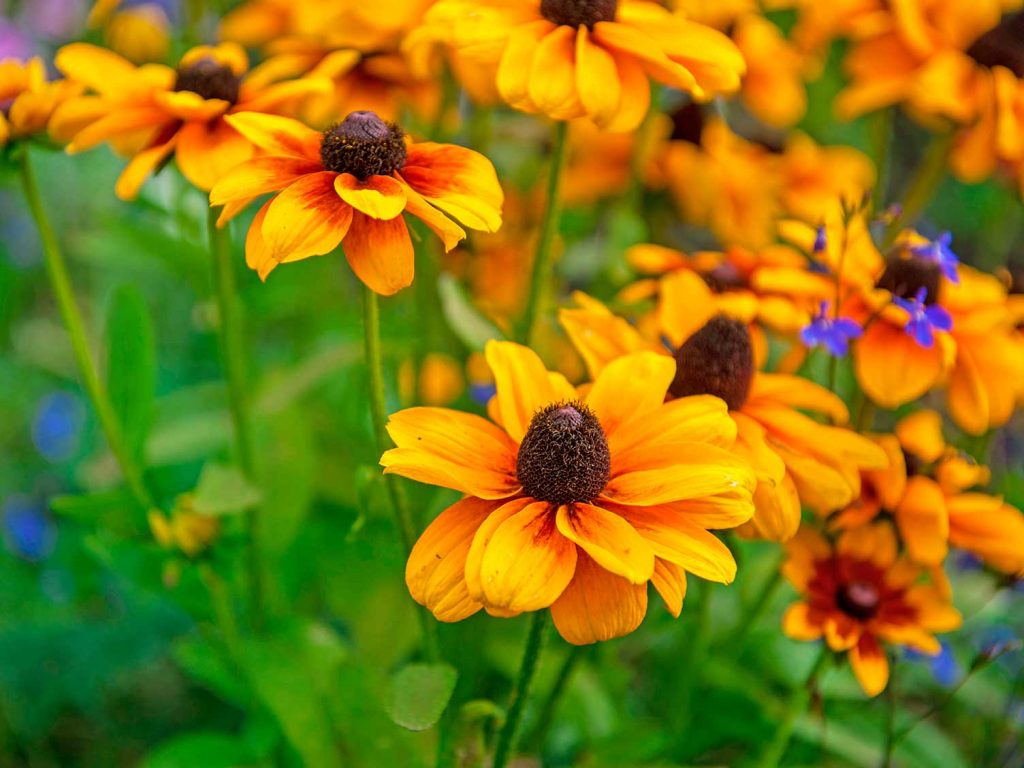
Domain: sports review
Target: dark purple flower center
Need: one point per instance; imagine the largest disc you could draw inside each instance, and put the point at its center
(564, 456)
(905, 276)
(1002, 46)
(210, 79)
(364, 145)
(716, 360)
(858, 599)
(578, 13)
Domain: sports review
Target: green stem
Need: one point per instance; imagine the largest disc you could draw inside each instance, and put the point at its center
(60, 281)
(233, 353)
(547, 712)
(542, 260)
(531, 655)
(758, 606)
(880, 136)
(796, 705)
(923, 185)
(378, 414)
(890, 716)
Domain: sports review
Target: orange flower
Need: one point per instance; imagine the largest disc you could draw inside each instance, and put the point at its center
(29, 98)
(152, 111)
(351, 184)
(573, 502)
(795, 457)
(568, 59)
(858, 594)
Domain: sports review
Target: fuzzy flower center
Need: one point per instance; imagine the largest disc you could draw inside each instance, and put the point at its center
(1001, 45)
(564, 456)
(364, 145)
(905, 277)
(578, 13)
(210, 79)
(858, 599)
(716, 360)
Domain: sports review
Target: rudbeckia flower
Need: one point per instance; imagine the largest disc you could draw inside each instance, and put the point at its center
(795, 457)
(569, 59)
(859, 594)
(926, 489)
(350, 185)
(573, 502)
(151, 112)
(29, 99)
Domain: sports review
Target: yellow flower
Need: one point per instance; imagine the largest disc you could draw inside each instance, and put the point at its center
(569, 59)
(795, 457)
(184, 529)
(151, 112)
(858, 594)
(140, 32)
(573, 502)
(29, 98)
(350, 185)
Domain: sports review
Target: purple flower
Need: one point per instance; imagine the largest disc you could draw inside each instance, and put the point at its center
(833, 333)
(820, 240)
(938, 252)
(924, 320)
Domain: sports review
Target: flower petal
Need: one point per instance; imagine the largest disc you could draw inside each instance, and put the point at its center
(797, 623)
(676, 539)
(277, 135)
(459, 181)
(923, 521)
(259, 176)
(207, 151)
(598, 605)
(523, 385)
(597, 79)
(552, 85)
(670, 581)
(141, 166)
(611, 541)
(631, 387)
(380, 253)
(870, 665)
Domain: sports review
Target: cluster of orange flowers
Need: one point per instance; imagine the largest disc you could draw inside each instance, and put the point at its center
(697, 412)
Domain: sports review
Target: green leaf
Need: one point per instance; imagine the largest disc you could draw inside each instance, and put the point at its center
(205, 748)
(472, 328)
(287, 472)
(420, 693)
(223, 490)
(131, 365)
(112, 510)
(207, 666)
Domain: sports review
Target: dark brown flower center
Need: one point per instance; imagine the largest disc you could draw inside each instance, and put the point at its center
(724, 277)
(564, 456)
(210, 79)
(364, 145)
(1002, 46)
(716, 360)
(688, 123)
(578, 13)
(905, 276)
(858, 599)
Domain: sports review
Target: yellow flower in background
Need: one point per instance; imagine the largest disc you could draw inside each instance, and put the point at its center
(152, 112)
(795, 457)
(573, 502)
(350, 185)
(29, 98)
(858, 594)
(140, 32)
(567, 59)
(438, 381)
(184, 529)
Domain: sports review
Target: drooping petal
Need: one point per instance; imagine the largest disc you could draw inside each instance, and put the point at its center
(141, 166)
(451, 234)
(459, 181)
(379, 197)
(474, 559)
(597, 79)
(670, 581)
(380, 253)
(609, 539)
(208, 151)
(513, 76)
(598, 605)
(870, 665)
(552, 86)
(674, 538)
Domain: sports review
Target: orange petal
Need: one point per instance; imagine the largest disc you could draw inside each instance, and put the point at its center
(436, 571)
(632, 42)
(685, 304)
(674, 538)
(923, 521)
(635, 95)
(207, 151)
(379, 197)
(527, 563)
(278, 135)
(670, 581)
(453, 450)
(190, 107)
(870, 665)
(522, 383)
(552, 85)
(100, 69)
(892, 368)
(459, 181)
(597, 79)
(798, 392)
(117, 124)
(696, 419)
(258, 176)
(921, 434)
(691, 478)
(380, 253)
(797, 623)
(611, 541)
(451, 234)
(513, 76)
(598, 605)
(140, 167)
(631, 387)
(305, 219)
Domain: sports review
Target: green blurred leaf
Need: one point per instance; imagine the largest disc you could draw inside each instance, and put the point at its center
(131, 365)
(205, 748)
(472, 328)
(112, 509)
(288, 466)
(207, 666)
(223, 490)
(420, 693)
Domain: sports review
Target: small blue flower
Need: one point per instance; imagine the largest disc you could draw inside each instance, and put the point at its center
(28, 532)
(938, 252)
(833, 333)
(924, 319)
(820, 240)
(482, 393)
(57, 426)
(943, 665)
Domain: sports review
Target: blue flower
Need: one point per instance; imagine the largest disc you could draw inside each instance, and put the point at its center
(57, 426)
(28, 531)
(482, 393)
(820, 240)
(924, 319)
(833, 333)
(938, 252)
(943, 665)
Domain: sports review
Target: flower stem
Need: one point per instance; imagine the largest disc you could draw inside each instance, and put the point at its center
(235, 368)
(759, 605)
(378, 414)
(60, 281)
(796, 705)
(531, 655)
(542, 260)
(547, 711)
(922, 186)
(890, 716)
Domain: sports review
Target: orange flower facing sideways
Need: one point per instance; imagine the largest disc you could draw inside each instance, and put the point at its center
(857, 594)
(572, 502)
(927, 491)
(29, 98)
(150, 112)
(350, 185)
(795, 457)
(576, 58)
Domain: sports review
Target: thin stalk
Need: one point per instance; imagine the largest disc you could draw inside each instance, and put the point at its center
(547, 711)
(922, 187)
(60, 281)
(531, 655)
(233, 353)
(880, 136)
(758, 606)
(902, 733)
(542, 260)
(378, 414)
(890, 717)
(796, 705)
